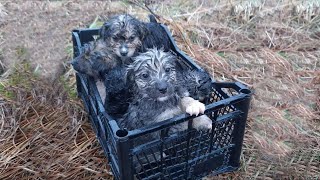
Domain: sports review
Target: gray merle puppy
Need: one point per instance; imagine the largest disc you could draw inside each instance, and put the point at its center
(153, 79)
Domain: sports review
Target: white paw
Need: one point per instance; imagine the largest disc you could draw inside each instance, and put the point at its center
(195, 108)
(202, 123)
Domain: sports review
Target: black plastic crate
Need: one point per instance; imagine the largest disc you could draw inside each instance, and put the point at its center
(189, 154)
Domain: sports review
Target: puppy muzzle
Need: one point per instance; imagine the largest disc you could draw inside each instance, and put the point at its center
(124, 50)
(162, 87)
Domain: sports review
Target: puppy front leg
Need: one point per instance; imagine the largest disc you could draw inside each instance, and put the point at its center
(194, 107)
(202, 123)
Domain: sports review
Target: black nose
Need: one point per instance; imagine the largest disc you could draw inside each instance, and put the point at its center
(162, 87)
(124, 50)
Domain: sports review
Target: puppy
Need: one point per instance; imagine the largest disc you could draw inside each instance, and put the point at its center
(193, 82)
(153, 80)
(124, 34)
(95, 59)
(120, 38)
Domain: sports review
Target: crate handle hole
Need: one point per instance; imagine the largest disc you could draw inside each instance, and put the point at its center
(245, 91)
(122, 133)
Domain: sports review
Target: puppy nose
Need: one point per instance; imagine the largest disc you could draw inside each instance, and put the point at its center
(162, 87)
(123, 51)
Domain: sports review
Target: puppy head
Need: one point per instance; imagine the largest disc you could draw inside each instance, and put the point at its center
(199, 84)
(153, 74)
(93, 60)
(91, 65)
(123, 34)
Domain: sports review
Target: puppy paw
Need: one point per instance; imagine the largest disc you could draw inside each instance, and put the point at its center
(195, 108)
(192, 106)
(202, 123)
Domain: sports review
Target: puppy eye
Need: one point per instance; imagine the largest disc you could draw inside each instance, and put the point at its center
(131, 38)
(145, 75)
(167, 70)
(114, 38)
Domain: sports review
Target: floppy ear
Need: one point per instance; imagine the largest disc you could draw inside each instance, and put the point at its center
(83, 64)
(103, 30)
(143, 30)
(129, 75)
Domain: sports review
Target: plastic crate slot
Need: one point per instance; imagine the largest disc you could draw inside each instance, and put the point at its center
(85, 101)
(110, 137)
(176, 168)
(230, 91)
(83, 83)
(211, 164)
(245, 91)
(114, 158)
(103, 126)
(76, 43)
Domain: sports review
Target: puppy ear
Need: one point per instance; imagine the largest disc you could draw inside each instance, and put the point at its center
(152, 18)
(83, 64)
(129, 75)
(143, 30)
(103, 30)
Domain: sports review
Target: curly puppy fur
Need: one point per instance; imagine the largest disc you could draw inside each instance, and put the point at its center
(156, 36)
(124, 34)
(118, 95)
(95, 59)
(193, 82)
(153, 79)
(150, 35)
(120, 38)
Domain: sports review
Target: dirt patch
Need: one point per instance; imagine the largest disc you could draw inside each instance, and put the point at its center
(40, 32)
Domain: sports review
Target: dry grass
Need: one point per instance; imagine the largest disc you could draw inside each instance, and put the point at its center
(273, 47)
(45, 133)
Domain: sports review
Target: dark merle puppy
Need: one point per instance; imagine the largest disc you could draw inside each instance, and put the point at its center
(125, 35)
(118, 93)
(193, 82)
(153, 79)
(120, 38)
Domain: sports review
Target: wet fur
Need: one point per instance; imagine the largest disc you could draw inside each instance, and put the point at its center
(120, 34)
(194, 83)
(124, 31)
(118, 94)
(148, 106)
(96, 59)
(156, 36)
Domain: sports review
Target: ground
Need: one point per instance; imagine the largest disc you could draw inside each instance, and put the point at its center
(271, 46)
